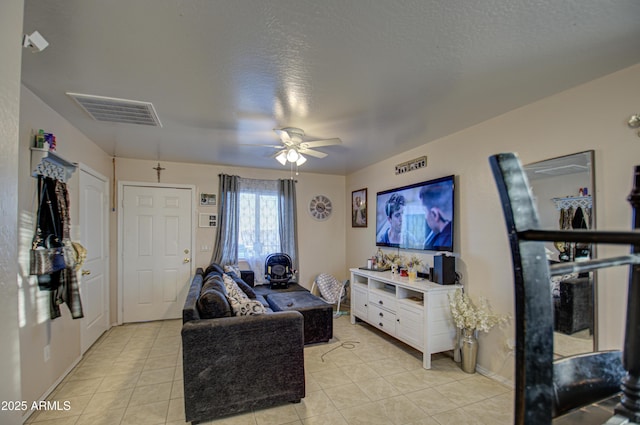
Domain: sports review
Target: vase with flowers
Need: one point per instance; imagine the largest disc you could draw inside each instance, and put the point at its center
(391, 262)
(470, 317)
(412, 267)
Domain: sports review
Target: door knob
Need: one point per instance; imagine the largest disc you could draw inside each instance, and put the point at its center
(86, 272)
(186, 260)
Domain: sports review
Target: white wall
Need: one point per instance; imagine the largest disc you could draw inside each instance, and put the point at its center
(590, 116)
(11, 12)
(36, 330)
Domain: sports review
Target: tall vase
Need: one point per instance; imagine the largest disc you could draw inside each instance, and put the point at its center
(469, 350)
(456, 349)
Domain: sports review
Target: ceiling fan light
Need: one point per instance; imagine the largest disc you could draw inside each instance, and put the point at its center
(301, 160)
(292, 155)
(282, 158)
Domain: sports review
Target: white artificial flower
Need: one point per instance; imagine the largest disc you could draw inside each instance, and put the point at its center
(466, 315)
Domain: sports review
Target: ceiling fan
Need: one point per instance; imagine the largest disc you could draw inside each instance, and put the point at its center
(293, 147)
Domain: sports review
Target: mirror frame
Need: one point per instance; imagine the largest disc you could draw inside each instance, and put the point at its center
(592, 190)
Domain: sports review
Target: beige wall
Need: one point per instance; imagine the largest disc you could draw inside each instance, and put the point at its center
(591, 116)
(36, 330)
(11, 12)
(321, 244)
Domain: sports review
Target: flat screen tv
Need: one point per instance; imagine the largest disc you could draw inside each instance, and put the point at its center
(419, 216)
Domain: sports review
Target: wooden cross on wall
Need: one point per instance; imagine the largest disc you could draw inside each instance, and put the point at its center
(158, 169)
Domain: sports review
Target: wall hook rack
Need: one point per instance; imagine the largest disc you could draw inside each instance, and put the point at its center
(573, 201)
(49, 164)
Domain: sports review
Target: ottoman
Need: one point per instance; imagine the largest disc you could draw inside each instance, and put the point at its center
(265, 290)
(317, 314)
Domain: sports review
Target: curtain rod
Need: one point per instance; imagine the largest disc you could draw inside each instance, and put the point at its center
(223, 174)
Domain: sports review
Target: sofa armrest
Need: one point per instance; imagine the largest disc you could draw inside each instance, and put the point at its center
(248, 276)
(232, 364)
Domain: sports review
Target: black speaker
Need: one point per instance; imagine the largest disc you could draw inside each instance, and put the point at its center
(444, 270)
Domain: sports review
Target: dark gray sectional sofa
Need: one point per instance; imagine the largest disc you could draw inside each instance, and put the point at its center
(232, 364)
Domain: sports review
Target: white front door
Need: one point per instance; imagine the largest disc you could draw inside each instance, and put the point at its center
(156, 255)
(94, 231)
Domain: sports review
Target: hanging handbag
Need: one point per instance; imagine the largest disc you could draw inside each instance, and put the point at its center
(47, 254)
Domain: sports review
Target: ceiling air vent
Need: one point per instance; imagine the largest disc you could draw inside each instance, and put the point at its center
(117, 110)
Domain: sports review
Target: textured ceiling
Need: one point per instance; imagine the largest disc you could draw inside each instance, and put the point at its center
(384, 76)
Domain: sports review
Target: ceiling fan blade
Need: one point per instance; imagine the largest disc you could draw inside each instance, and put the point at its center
(318, 143)
(262, 146)
(283, 134)
(312, 152)
(278, 153)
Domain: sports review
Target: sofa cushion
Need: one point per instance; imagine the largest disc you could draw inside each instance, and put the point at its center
(242, 284)
(263, 300)
(214, 281)
(214, 267)
(213, 304)
(241, 304)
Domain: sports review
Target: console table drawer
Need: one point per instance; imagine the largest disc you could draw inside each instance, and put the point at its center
(382, 300)
(382, 319)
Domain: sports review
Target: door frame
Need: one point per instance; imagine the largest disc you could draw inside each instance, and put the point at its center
(107, 266)
(120, 256)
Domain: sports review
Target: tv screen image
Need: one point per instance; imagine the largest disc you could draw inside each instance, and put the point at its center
(418, 216)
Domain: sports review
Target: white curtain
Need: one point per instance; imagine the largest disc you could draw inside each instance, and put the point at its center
(259, 233)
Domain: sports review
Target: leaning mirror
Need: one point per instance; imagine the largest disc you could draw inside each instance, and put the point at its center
(564, 190)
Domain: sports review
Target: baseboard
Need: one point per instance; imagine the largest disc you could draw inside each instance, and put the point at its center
(48, 392)
(491, 375)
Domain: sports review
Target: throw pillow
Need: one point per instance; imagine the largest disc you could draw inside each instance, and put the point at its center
(213, 267)
(240, 303)
(555, 283)
(213, 304)
(246, 288)
(232, 268)
(214, 280)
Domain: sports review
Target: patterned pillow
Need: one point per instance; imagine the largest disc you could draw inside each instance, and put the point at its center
(240, 303)
(242, 285)
(232, 268)
(555, 283)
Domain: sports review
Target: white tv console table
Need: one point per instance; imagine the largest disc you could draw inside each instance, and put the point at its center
(416, 313)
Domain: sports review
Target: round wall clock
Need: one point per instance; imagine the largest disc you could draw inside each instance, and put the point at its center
(320, 207)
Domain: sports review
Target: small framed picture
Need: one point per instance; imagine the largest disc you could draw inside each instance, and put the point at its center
(359, 208)
(208, 199)
(208, 220)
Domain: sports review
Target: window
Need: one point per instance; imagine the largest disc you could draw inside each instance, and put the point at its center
(258, 225)
(258, 222)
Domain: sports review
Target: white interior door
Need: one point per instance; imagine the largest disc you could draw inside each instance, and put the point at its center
(94, 230)
(156, 257)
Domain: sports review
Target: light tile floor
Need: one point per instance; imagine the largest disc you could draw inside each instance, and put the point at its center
(133, 375)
